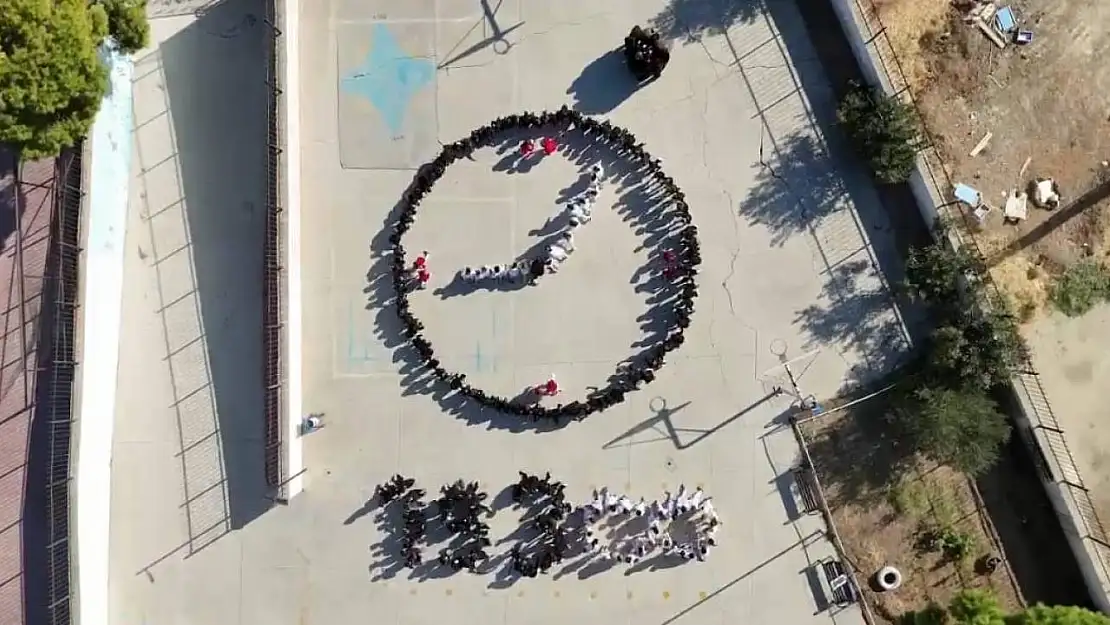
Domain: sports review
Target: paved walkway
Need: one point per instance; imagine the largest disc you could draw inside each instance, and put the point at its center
(187, 449)
(787, 266)
(26, 209)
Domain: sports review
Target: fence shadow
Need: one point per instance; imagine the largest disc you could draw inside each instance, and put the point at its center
(34, 392)
(215, 79)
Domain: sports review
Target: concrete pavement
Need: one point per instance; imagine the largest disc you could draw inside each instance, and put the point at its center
(789, 266)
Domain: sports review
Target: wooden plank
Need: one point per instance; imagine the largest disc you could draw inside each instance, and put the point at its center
(991, 33)
(982, 145)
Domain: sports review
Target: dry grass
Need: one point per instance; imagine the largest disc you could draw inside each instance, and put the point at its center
(908, 24)
(1022, 277)
(885, 504)
(967, 87)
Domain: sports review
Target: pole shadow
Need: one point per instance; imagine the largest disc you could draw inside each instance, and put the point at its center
(663, 415)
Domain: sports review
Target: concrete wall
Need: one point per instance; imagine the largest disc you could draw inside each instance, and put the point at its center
(289, 132)
(101, 297)
(931, 202)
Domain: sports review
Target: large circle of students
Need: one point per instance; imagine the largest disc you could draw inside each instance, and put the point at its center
(678, 265)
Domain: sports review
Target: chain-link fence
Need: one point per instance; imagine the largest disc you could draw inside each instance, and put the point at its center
(56, 377)
(1027, 385)
(274, 286)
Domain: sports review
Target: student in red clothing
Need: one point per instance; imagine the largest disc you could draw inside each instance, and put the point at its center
(421, 261)
(422, 278)
(527, 148)
(549, 145)
(549, 388)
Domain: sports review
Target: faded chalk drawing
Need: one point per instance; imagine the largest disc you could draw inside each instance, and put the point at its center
(389, 78)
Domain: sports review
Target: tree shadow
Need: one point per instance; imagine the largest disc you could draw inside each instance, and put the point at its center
(690, 21)
(857, 314)
(603, 84)
(860, 453)
(796, 186)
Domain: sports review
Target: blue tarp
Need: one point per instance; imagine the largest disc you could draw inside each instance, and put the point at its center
(967, 195)
(1005, 20)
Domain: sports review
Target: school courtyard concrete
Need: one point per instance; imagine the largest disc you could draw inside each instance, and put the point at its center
(797, 258)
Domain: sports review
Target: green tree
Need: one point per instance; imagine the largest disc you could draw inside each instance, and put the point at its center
(884, 131)
(932, 614)
(959, 428)
(976, 607)
(1058, 615)
(51, 78)
(975, 350)
(127, 24)
(933, 274)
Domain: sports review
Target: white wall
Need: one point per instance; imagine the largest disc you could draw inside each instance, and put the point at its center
(288, 12)
(101, 297)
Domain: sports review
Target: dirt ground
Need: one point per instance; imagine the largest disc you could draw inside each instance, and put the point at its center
(885, 505)
(1047, 105)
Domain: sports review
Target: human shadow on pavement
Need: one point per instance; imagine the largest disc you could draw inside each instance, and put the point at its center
(603, 85)
(639, 203)
(221, 144)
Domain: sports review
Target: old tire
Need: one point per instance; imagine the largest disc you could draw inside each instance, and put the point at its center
(888, 578)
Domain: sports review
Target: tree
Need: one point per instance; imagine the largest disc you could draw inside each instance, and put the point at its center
(932, 614)
(51, 78)
(980, 607)
(934, 272)
(959, 428)
(1059, 615)
(975, 350)
(976, 607)
(884, 130)
(127, 24)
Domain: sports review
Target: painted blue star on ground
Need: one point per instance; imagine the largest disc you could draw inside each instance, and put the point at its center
(388, 78)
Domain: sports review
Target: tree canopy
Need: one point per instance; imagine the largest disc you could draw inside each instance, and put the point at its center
(127, 24)
(960, 428)
(977, 607)
(884, 131)
(1059, 615)
(52, 79)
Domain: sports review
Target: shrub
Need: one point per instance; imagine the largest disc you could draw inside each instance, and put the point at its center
(976, 607)
(1081, 287)
(884, 131)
